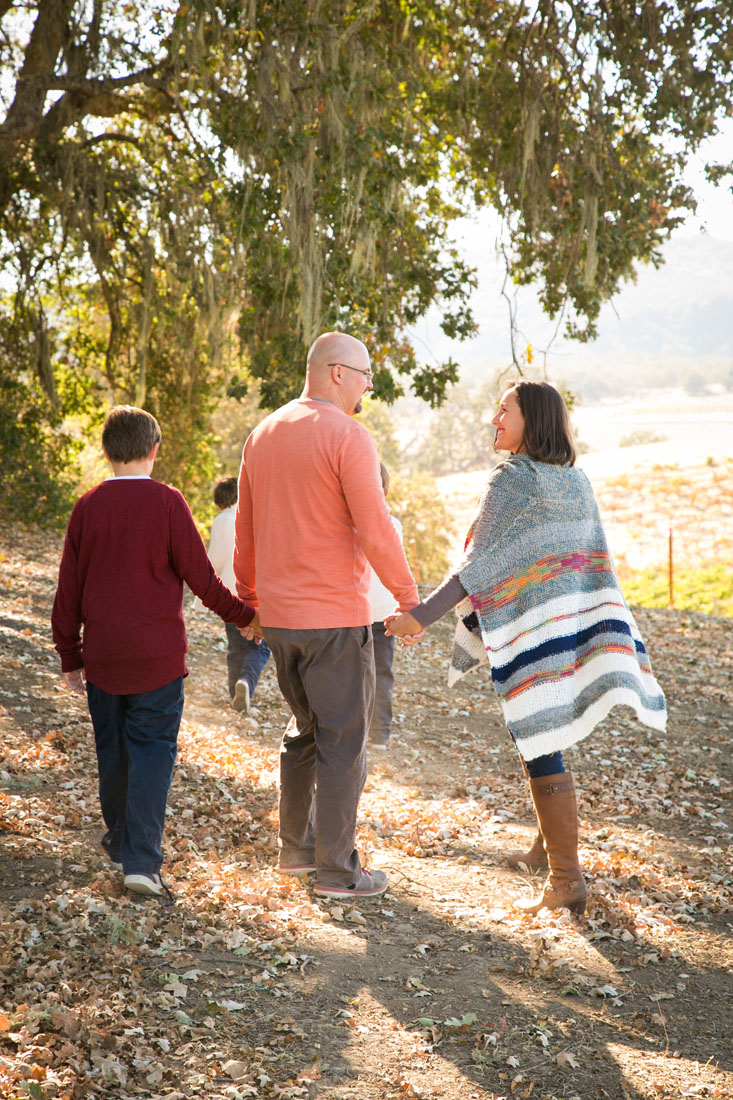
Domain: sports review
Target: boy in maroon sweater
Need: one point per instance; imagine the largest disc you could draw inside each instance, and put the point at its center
(130, 544)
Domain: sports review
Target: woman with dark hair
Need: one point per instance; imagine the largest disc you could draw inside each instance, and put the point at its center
(538, 597)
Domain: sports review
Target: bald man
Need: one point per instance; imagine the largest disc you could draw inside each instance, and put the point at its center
(311, 519)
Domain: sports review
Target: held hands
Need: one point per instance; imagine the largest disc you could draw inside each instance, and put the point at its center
(75, 681)
(253, 632)
(405, 627)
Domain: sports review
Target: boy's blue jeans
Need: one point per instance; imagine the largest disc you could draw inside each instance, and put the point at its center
(136, 738)
(245, 659)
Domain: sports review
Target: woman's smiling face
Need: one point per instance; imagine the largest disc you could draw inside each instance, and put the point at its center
(509, 424)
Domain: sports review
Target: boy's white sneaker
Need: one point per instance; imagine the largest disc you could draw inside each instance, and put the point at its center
(151, 886)
(240, 702)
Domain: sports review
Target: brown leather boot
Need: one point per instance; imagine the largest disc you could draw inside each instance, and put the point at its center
(557, 812)
(535, 859)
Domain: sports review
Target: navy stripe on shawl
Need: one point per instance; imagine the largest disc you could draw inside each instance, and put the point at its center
(568, 643)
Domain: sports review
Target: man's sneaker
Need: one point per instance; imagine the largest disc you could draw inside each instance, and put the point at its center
(240, 702)
(297, 868)
(112, 852)
(369, 885)
(151, 886)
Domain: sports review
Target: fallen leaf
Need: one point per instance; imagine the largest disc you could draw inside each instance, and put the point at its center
(235, 1070)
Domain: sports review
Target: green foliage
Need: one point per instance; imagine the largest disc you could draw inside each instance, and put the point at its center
(416, 502)
(585, 115)
(343, 191)
(36, 463)
(184, 209)
(36, 455)
(709, 589)
(376, 417)
(232, 421)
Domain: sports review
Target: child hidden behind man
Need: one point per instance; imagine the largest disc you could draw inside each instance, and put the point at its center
(118, 625)
(246, 658)
(383, 604)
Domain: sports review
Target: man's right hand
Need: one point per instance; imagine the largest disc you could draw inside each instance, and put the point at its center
(403, 625)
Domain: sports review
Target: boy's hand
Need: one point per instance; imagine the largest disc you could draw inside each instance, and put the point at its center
(75, 680)
(253, 632)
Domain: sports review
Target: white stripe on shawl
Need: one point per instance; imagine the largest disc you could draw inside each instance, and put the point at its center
(571, 603)
(552, 629)
(470, 642)
(564, 737)
(549, 694)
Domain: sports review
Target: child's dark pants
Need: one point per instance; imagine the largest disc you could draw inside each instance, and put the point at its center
(381, 723)
(245, 659)
(136, 738)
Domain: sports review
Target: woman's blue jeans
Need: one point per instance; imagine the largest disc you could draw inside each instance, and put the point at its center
(545, 765)
(136, 738)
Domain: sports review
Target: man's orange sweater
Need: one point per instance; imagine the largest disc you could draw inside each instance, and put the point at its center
(311, 518)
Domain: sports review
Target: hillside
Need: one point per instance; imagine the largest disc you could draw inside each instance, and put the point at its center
(250, 986)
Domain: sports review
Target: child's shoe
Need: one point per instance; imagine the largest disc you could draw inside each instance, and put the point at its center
(240, 702)
(151, 886)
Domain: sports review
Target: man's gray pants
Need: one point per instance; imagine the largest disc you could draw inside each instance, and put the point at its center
(327, 677)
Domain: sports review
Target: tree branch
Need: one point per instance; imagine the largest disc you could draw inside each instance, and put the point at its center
(90, 85)
(47, 39)
(111, 135)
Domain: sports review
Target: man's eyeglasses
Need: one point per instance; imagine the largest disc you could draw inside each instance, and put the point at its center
(367, 373)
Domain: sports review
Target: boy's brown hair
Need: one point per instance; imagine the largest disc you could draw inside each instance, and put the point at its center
(129, 434)
(225, 492)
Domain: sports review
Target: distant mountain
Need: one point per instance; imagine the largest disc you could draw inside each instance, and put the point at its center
(685, 305)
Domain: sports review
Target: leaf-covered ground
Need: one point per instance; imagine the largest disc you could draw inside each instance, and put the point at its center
(250, 986)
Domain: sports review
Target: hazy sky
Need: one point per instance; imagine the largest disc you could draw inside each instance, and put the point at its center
(646, 316)
(715, 204)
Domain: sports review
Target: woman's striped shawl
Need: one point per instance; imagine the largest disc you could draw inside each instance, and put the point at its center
(545, 604)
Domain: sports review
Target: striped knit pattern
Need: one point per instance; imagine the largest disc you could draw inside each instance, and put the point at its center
(545, 606)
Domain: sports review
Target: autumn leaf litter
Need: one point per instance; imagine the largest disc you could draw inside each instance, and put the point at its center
(250, 986)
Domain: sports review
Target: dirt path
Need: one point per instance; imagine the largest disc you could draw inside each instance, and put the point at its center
(252, 987)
